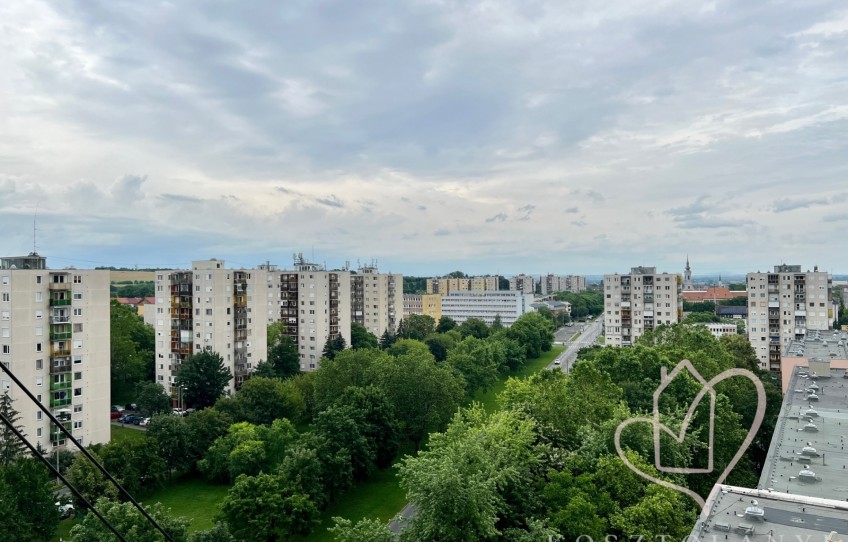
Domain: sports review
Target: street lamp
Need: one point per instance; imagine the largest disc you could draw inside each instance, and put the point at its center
(181, 397)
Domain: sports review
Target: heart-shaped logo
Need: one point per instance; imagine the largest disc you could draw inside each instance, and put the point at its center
(706, 388)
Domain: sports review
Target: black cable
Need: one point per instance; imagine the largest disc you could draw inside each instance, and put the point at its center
(86, 453)
(70, 486)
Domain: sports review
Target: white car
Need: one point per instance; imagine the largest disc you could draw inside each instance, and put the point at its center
(144, 422)
(65, 510)
(558, 362)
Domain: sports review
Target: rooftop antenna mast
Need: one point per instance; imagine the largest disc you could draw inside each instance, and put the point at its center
(34, 220)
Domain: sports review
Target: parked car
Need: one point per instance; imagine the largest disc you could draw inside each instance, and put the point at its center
(65, 510)
(131, 406)
(178, 411)
(144, 422)
(117, 408)
(189, 411)
(115, 415)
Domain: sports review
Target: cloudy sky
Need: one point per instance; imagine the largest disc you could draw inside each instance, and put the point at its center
(493, 136)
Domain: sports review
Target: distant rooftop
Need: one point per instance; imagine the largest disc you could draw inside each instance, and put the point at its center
(820, 346)
(31, 261)
(807, 454)
(742, 515)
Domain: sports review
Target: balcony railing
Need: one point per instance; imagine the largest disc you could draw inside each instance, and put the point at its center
(60, 286)
(55, 302)
(60, 386)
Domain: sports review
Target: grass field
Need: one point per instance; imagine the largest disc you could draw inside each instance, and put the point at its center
(489, 398)
(119, 276)
(125, 433)
(194, 498)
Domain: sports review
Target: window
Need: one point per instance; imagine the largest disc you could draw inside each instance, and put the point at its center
(78, 375)
(38, 431)
(38, 347)
(77, 392)
(208, 312)
(38, 297)
(77, 295)
(77, 408)
(4, 332)
(39, 364)
(77, 328)
(38, 279)
(39, 381)
(39, 314)
(5, 315)
(5, 296)
(77, 279)
(38, 415)
(78, 424)
(78, 343)
(39, 331)
(77, 311)
(5, 279)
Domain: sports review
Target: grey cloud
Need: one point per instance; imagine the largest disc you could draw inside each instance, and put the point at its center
(572, 210)
(500, 217)
(592, 195)
(836, 217)
(421, 208)
(579, 223)
(697, 207)
(712, 223)
(527, 210)
(331, 201)
(180, 198)
(128, 187)
(790, 204)
(441, 233)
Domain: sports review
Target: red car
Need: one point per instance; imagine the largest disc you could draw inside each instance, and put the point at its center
(115, 415)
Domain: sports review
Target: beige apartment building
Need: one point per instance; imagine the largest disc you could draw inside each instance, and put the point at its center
(429, 304)
(523, 283)
(445, 286)
(54, 336)
(783, 306)
(315, 305)
(210, 307)
(639, 302)
(376, 299)
(567, 283)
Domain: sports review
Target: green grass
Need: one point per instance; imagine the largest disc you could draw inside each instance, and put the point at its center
(64, 530)
(124, 433)
(194, 498)
(575, 336)
(489, 398)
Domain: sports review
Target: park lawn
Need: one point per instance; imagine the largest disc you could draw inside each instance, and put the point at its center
(124, 433)
(64, 530)
(489, 398)
(575, 337)
(194, 498)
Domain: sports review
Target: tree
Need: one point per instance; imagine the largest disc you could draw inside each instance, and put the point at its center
(534, 332)
(365, 530)
(387, 339)
(10, 447)
(265, 507)
(417, 326)
(263, 400)
(474, 327)
(349, 368)
(439, 345)
(248, 449)
(360, 337)
(202, 428)
(446, 323)
(204, 377)
(338, 425)
(497, 324)
(333, 346)
(135, 464)
(27, 509)
(700, 318)
(375, 417)
(89, 480)
(126, 518)
(170, 439)
(478, 361)
(132, 344)
(151, 399)
(283, 360)
(218, 533)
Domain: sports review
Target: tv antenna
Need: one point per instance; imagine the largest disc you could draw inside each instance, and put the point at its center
(34, 220)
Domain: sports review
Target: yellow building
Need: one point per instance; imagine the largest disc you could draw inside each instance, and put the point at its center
(431, 305)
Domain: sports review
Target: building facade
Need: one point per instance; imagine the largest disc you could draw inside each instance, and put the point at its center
(639, 302)
(783, 306)
(376, 300)
(446, 285)
(314, 305)
(568, 283)
(486, 305)
(429, 304)
(522, 283)
(54, 335)
(210, 307)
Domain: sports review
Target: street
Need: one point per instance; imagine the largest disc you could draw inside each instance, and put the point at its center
(590, 333)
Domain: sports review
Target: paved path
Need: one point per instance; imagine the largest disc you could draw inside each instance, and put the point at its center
(589, 333)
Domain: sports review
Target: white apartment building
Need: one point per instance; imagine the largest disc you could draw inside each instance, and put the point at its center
(210, 307)
(523, 283)
(720, 329)
(376, 299)
(315, 305)
(638, 302)
(783, 306)
(54, 336)
(486, 305)
(567, 283)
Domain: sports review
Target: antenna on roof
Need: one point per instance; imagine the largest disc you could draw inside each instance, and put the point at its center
(34, 220)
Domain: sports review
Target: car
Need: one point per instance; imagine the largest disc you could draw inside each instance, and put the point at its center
(144, 422)
(177, 411)
(189, 411)
(115, 415)
(117, 408)
(65, 510)
(558, 362)
(131, 406)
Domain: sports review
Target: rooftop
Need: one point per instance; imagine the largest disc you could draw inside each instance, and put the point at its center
(739, 515)
(820, 346)
(807, 454)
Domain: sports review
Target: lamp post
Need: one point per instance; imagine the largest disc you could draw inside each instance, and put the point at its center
(181, 397)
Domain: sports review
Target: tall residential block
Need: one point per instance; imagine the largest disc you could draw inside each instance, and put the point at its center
(376, 300)
(54, 335)
(210, 307)
(567, 283)
(446, 285)
(522, 283)
(487, 305)
(314, 305)
(428, 304)
(783, 306)
(639, 302)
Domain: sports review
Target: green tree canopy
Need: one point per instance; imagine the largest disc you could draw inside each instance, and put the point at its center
(126, 518)
(132, 344)
(204, 377)
(151, 399)
(27, 509)
(361, 338)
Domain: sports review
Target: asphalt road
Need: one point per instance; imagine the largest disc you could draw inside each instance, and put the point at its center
(589, 333)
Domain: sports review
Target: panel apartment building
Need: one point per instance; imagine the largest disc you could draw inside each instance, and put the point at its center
(315, 305)
(54, 335)
(210, 307)
(376, 299)
(638, 302)
(445, 286)
(783, 306)
(427, 304)
(567, 283)
(522, 283)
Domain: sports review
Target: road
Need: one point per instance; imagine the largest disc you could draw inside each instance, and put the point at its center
(589, 334)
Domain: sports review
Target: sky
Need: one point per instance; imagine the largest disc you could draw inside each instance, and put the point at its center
(490, 137)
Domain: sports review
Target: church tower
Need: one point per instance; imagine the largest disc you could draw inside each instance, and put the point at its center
(688, 285)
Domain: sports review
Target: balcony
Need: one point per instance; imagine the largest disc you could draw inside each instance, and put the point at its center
(59, 286)
(60, 386)
(60, 351)
(625, 304)
(60, 319)
(59, 302)
(60, 402)
(801, 313)
(774, 304)
(60, 335)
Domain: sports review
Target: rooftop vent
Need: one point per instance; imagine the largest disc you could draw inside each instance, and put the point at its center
(807, 476)
(833, 537)
(811, 413)
(809, 451)
(755, 512)
(811, 428)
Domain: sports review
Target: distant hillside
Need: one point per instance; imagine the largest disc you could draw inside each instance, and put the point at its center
(120, 276)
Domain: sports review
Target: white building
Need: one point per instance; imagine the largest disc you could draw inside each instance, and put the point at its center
(376, 300)
(720, 329)
(314, 304)
(522, 283)
(54, 335)
(210, 307)
(486, 305)
(783, 306)
(639, 302)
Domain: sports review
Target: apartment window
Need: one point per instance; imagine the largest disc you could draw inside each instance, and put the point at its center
(208, 312)
(39, 314)
(5, 315)
(4, 332)
(77, 311)
(5, 279)
(38, 431)
(78, 375)
(78, 424)
(39, 331)
(77, 279)
(38, 415)
(38, 347)
(77, 408)
(38, 297)
(5, 296)
(39, 364)
(78, 343)
(77, 295)
(39, 381)
(78, 328)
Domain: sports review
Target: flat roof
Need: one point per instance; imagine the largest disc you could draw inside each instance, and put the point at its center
(820, 346)
(810, 436)
(739, 515)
